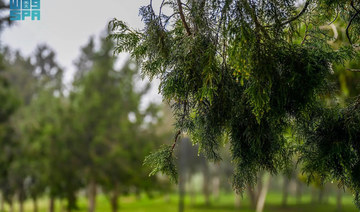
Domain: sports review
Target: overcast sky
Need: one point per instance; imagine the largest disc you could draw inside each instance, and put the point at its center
(66, 25)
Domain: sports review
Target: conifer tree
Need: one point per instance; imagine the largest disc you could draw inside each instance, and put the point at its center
(247, 71)
(111, 128)
(37, 81)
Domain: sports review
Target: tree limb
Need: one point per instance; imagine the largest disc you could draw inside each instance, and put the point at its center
(182, 16)
(353, 6)
(161, 6)
(168, 19)
(307, 3)
(351, 20)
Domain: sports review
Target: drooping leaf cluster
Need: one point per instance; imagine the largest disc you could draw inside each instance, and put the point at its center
(162, 161)
(244, 70)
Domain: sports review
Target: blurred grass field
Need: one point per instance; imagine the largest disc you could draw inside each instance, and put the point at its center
(225, 203)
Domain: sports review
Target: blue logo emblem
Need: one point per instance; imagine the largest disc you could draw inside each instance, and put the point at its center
(21, 10)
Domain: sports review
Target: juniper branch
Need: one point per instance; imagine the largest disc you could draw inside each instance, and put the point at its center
(182, 16)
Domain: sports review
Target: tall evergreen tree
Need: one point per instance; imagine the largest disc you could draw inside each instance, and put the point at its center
(8, 104)
(36, 84)
(19, 74)
(111, 128)
(7, 98)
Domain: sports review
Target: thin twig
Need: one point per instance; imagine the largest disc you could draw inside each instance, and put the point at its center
(337, 15)
(176, 139)
(181, 125)
(160, 11)
(168, 19)
(161, 6)
(223, 10)
(306, 34)
(152, 9)
(187, 6)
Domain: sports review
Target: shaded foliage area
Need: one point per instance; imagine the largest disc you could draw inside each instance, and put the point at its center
(331, 146)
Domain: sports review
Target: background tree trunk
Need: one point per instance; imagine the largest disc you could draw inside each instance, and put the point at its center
(313, 194)
(167, 197)
(137, 194)
(36, 208)
(339, 200)
(92, 195)
(71, 201)
(192, 193)
(237, 201)
(21, 199)
(321, 195)
(52, 204)
(216, 187)
(285, 191)
(21, 206)
(298, 191)
(182, 173)
(2, 204)
(181, 192)
(115, 199)
(62, 205)
(11, 205)
(252, 196)
(206, 183)
(262, 196)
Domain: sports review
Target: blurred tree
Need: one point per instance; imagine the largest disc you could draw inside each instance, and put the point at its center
(85, 61)
(63, 176)
(188, 164)
(36, 83)
(54, 132)
(113, 131)
(8, 104)
(21, 75)
(4, 17)
(7, 97)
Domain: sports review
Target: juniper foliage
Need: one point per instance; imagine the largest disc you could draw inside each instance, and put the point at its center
(245, 71)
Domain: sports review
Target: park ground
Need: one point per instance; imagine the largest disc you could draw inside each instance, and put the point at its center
(225, 203)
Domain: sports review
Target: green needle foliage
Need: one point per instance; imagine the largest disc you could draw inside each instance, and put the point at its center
(162, 161)
(246, 71)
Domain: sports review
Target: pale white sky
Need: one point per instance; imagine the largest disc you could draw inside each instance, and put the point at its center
(66, 25)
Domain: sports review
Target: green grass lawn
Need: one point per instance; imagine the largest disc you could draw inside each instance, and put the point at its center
(224, 204)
